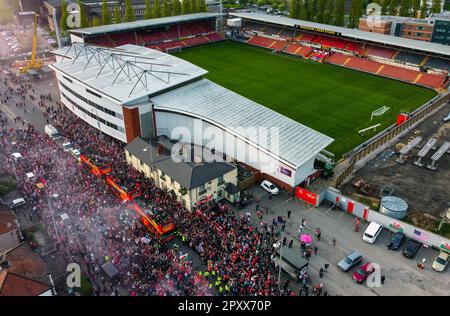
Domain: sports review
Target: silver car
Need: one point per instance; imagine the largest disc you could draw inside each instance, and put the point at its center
(350, 261)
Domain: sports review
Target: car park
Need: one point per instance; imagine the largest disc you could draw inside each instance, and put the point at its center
(411, 248)
(270, 187)
(372, 232)
(396, 241)
(441, 261)
(350, 261)
(363, 272)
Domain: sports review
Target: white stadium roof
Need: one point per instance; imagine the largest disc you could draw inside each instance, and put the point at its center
(125, 73)
(352, 33)
(215, 104)
(122, 27)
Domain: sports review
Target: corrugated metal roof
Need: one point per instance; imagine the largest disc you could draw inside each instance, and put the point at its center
(121, 27)
(352, 33)
(115, 83)
(231, 111)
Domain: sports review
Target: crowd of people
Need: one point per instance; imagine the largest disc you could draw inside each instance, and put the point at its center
(236, 253)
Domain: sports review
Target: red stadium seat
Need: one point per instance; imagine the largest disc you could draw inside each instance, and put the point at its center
(399, 73)
(429, 80)
(381, 52)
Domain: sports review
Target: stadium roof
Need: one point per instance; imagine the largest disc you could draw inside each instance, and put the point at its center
(125, 73)
(231, 111)
(352, 33)
(122, 27)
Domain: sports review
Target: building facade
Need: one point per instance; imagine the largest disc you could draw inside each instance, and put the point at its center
(189, 182)
(10, 234)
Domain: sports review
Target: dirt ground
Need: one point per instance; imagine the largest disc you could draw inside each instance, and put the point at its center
(426, 191)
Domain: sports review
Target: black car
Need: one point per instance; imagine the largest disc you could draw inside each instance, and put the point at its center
(396, 241)
(411, 248)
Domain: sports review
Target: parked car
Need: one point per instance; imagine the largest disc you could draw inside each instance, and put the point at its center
(363, 272)
(270, 187)
(350, 261)
(372, 232)
(440, 263)
(396, 241)
(30, 176)
(17, 203)
(67, 146)
(17, 157)
(411, 248)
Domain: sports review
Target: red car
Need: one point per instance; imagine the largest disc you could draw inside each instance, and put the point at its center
(363, 272)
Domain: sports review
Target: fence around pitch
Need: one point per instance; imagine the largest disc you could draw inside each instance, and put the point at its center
(390, 133)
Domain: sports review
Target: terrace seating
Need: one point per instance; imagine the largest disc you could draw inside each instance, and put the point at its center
(165, 45)
(184, 30)
(195, 41)
(194, 28)
(381, 52)
(253, 26)
(292, 48)
(271, 30)
(103, 40)
(363, 64)
(261, 41)
(278, 45)
(409, 58)
(399, 73)
(305, 51)
(317, 39)
(152, 36)
(123, 38)
(333, 42)
(429, 80)
(214, 37)
(286, 33)
(439, 64)
(355, 47)
(338, 59)
(305, 37)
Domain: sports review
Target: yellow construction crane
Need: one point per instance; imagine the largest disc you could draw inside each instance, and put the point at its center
(33, 63)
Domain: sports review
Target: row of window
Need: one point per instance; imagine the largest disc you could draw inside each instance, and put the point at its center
(95, 105)
(95, 117)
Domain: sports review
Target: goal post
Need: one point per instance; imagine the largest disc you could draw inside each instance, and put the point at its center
(380, 111)
(173, 49)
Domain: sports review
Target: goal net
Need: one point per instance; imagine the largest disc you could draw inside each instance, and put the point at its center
(173, 49)
(379, 111)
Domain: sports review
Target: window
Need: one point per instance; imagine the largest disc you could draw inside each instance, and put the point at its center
(220, 180)
(201, 189)
(93, 93)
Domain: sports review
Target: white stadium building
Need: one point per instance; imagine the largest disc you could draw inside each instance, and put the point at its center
(131, 91)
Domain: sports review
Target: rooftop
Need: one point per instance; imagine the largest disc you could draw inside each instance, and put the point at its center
(190, 174)
(125, 73)
(421, 46)
(7, 220)
(141, 24)
(296, 144)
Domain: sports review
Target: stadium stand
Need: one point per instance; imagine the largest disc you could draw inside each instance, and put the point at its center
(123, 38)
(363, 64)
(437, 63)
(317, 39)
(399, 73)
(152, 36)
(196, 40)
(253, 26)
(381, 52)
(262, 41)
(333, 42)
(214, 37)
(430, 80)
(338, 59)
(409, 58)
(355, 47)
(305, 37)
(286, 33)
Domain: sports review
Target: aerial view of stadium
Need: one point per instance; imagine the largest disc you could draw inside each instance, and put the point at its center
(196, 148)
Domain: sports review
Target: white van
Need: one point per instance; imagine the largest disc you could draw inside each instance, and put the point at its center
(16, 203)
(52, 132)
(372, 232)
(30, 176)
(17, 156)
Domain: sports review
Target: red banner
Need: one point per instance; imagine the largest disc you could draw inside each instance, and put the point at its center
(350, 206)
(306, 196)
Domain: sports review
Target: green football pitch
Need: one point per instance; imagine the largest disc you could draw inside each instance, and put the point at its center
(332, 100)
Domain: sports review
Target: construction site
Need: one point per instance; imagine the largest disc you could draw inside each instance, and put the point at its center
(415, 169)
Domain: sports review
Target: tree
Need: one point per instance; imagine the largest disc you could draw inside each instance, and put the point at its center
(203, 7)
(320, 11)
(148, 10)
(405, 7)
(339, 13)
(129, 12)
(304, 9)
(157, 9)
(83, 18)
(294, 9)
(117, 15)
(423, 9)
(356, 11)
(64, 15)
(96, 21)
(106, 15)
(176, 7)
(384, 7)
(282, 7)
(312, 10)
(186, 6)
(329, 10)
(192, 6)
(167, 10)
(415, 8)
(393, 7)
(436, 6)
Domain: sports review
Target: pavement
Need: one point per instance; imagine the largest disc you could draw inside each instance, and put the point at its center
(402, 275)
